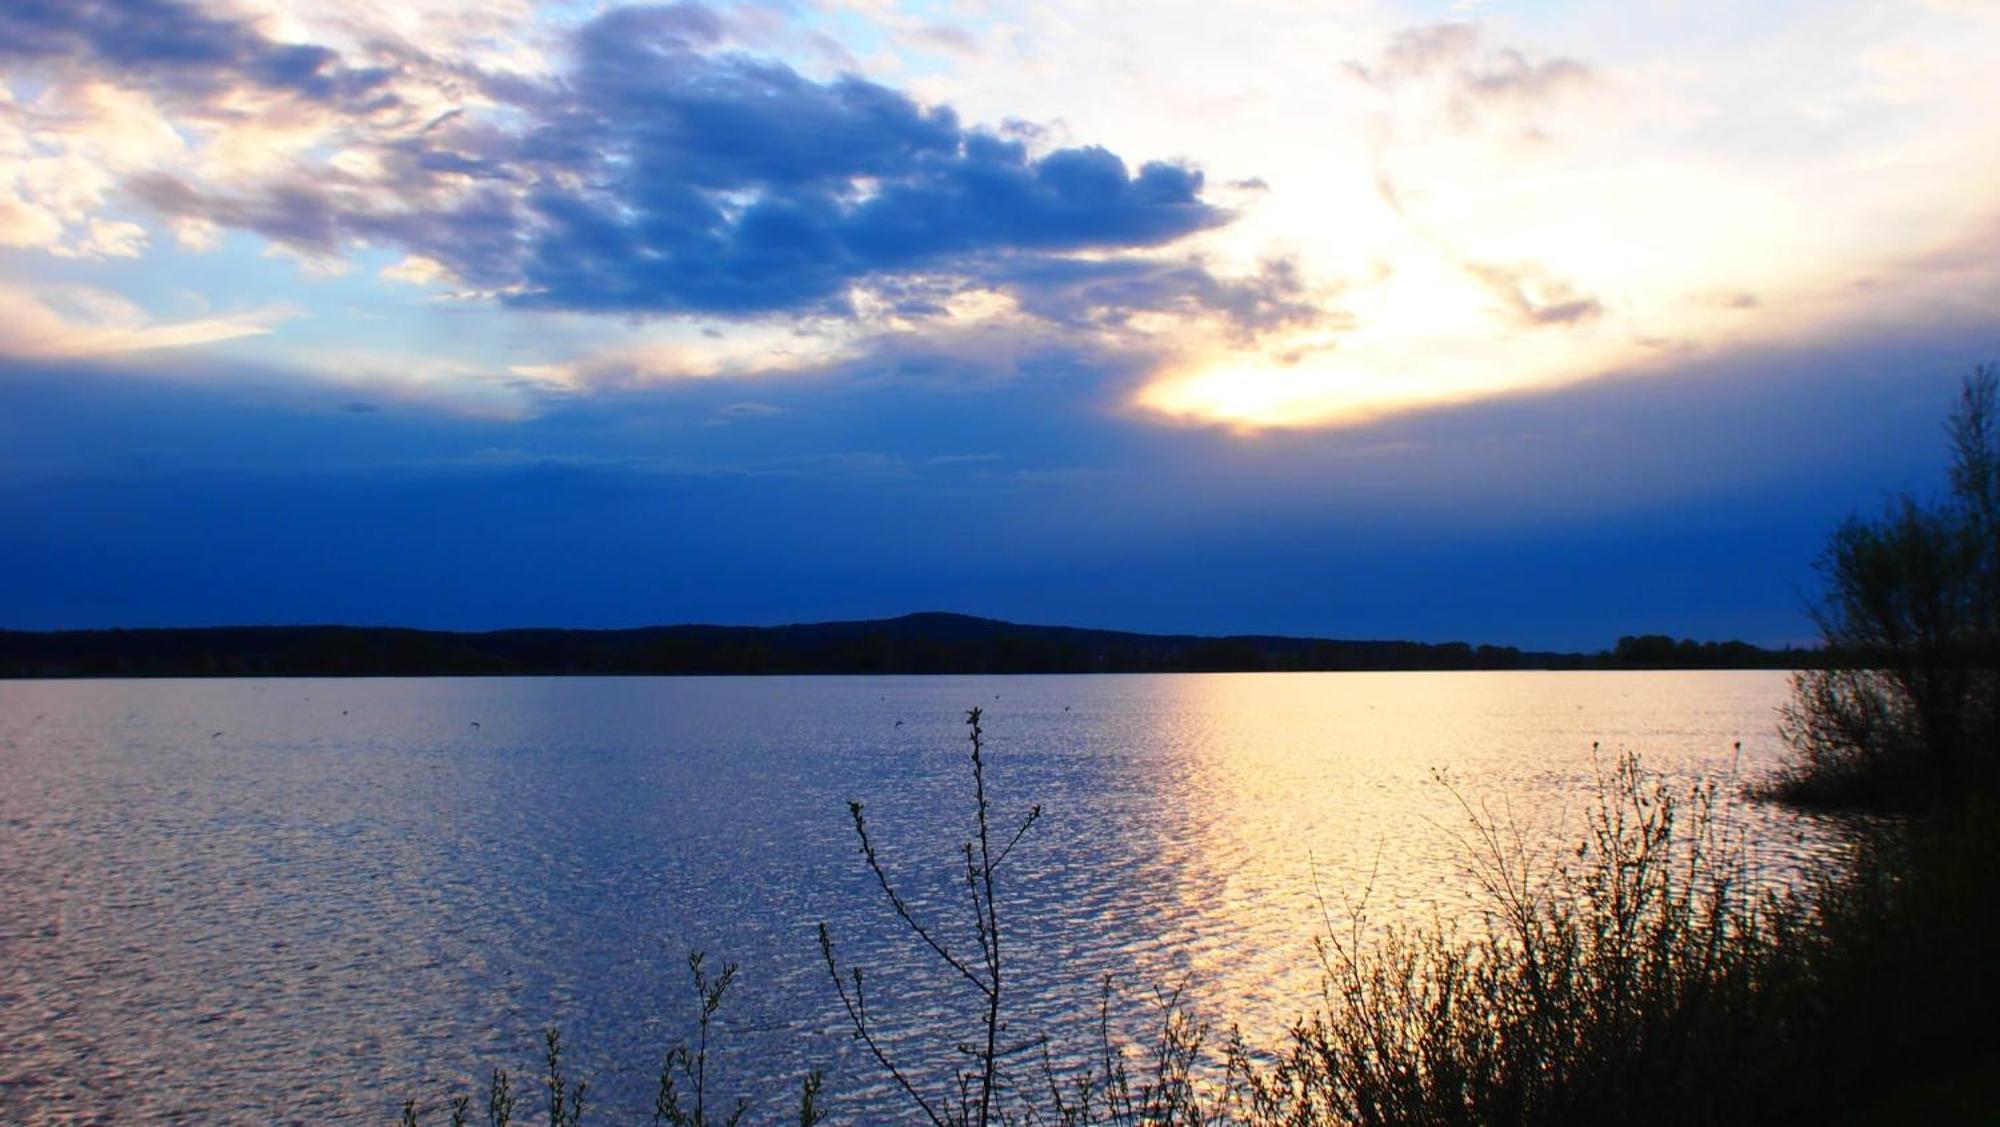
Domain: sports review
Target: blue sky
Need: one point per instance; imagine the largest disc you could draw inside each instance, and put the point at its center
(1533, 324)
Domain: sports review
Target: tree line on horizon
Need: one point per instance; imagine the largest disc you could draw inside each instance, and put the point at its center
(920, 644)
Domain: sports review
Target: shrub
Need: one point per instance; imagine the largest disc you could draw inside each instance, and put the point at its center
(1908, 705)
(1627, 984)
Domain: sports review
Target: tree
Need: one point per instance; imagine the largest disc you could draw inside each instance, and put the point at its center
(1911, 626)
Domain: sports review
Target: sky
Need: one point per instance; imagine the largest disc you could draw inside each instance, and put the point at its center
(1532, 323)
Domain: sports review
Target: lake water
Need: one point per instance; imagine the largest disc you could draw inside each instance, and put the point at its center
(303, 900)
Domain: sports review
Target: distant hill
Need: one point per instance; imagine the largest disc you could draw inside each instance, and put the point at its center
(915, 643)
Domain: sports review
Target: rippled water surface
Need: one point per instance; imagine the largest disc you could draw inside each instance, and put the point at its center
(303, 900)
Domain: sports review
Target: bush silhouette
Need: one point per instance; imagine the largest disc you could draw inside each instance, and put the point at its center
(1905, 709)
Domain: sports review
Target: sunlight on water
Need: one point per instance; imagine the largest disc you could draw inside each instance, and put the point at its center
(304, 899)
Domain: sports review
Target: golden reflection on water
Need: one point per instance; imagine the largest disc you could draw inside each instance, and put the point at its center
(1308, 801)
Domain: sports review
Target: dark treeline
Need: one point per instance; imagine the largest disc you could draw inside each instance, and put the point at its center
(917, 643)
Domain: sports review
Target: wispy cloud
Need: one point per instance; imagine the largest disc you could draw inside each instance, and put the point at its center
(82, 321)
(1476, 82)
(1533, 295)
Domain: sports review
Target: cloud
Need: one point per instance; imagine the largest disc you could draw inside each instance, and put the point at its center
(177, 47)
(1535, 296)
(1478, 83)
(1418, 51)
(806, 234)
(77, 321)
(945, 37)
(647, 362)
(61, 155)
(111, 239)
(1112, 292)
(1513, 78)
(24, 224)
(664, 173)
(736, 412)
(415, 270)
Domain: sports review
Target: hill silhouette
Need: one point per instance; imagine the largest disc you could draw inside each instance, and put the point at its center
(931, 642)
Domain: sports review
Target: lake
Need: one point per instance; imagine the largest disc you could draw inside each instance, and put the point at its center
(303, 900)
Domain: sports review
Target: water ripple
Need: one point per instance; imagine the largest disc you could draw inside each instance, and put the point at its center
(300, 900)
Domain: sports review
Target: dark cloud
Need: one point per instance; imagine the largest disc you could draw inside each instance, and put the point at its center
(178, 47)
(806, 228)
(662, 173)
(722, 184)
(1076, 291)
(747, 409)
(472, 230)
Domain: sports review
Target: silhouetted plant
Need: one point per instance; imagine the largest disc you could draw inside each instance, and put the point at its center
(684, 1071)
(1909, 704)
(562, 1112)
(974, 1090)
(689, 1068)
(499, 1099)
(993, 1081)
(1625, 983)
